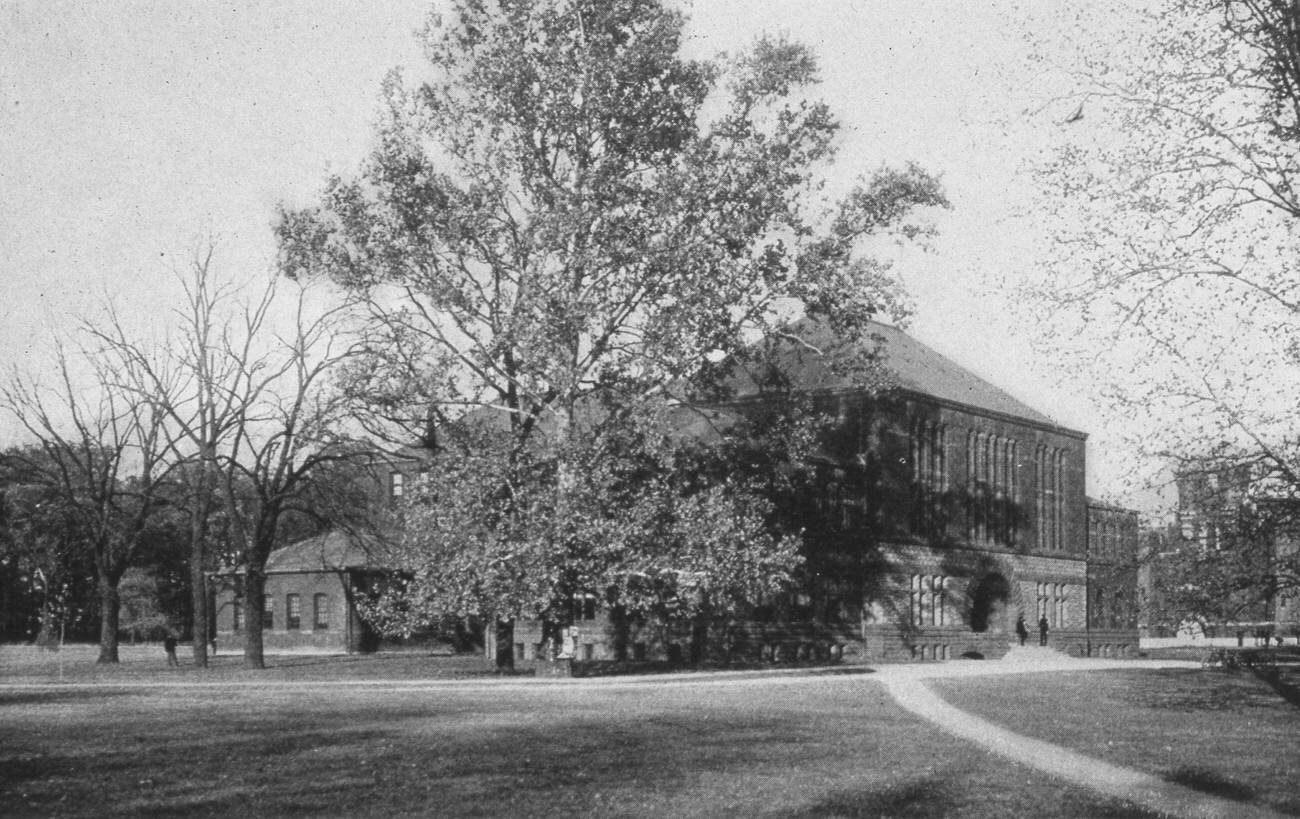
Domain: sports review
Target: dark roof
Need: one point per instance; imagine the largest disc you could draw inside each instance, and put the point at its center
(908, 365)
(330, 551)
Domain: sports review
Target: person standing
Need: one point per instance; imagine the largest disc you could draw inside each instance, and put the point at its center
(1022, 631)
(1042, 630)
(169, 646)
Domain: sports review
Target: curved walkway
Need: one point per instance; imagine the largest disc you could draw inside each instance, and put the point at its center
(906, 684)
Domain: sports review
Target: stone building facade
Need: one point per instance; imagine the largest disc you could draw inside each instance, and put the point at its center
(944, 510)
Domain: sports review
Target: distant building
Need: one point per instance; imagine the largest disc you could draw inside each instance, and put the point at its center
(1232, 531)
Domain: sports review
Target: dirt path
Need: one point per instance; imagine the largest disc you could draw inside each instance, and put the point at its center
(908, 688)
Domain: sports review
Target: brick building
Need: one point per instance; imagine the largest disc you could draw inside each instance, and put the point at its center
(943, 510)
(309, 601)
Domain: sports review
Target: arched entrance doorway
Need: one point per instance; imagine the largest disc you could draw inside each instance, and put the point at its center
(989, 599)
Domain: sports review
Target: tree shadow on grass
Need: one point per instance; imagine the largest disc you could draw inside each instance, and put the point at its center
(1283, 682)
(1212, 783)
(940, 797)
(922, 797)
(48, 696)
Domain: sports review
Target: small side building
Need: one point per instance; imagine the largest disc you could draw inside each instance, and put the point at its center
(310, 599)
(1114, 536)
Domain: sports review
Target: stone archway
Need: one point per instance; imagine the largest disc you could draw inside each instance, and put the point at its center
(990, 603)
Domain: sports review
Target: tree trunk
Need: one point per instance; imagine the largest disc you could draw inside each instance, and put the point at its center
(505, 644)
(199, 604)
(254, 590)
(109, 614)
(200, 509)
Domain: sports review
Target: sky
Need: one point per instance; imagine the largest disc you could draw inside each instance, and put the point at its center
(131, 132)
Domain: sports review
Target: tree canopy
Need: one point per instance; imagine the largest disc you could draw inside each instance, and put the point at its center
(566, 213)
(1173, 276)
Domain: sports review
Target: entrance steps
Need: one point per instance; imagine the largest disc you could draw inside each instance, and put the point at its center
(1034, 655)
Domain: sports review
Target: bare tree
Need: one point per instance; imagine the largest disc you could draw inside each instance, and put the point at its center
(246, 386)
(102, 454)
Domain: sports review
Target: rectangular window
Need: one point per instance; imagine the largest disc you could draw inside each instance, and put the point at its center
(268, 613)
(929, 600)
(292, 612)
(396, 485)
(321, 612)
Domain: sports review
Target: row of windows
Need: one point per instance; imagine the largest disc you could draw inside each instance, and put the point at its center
(1109, 611)
(930, 472)
(838, 506)
(1053, 603)
(930, 652)
(292, 612)
(993, 494)
(993, 487)
(1106, 535)
(1049, 469)
(929, 600)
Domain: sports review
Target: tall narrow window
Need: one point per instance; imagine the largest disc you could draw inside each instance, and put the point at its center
(1058, 515)
(971, 489)
(1040, 496)
(396, 485)
(292, 612)
(1008, 498)
(321, 612)
(929, 476)
(268, 612)
(237, 609)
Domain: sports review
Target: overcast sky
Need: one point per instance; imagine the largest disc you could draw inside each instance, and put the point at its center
(128, 131)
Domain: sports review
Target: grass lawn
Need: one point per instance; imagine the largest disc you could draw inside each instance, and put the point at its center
(797, 746)
(1222, 732)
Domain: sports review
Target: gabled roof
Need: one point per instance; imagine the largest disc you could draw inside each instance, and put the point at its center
(908, 365)
(331, 551)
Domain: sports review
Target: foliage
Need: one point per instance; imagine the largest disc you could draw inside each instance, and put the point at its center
(1173, 277)
(565, 215)
(652, 520)
(1231, 554)
(50, 573)
(142, 613)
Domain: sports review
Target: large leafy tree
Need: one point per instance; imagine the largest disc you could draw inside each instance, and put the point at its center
(566, 213)
(1173, 199)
